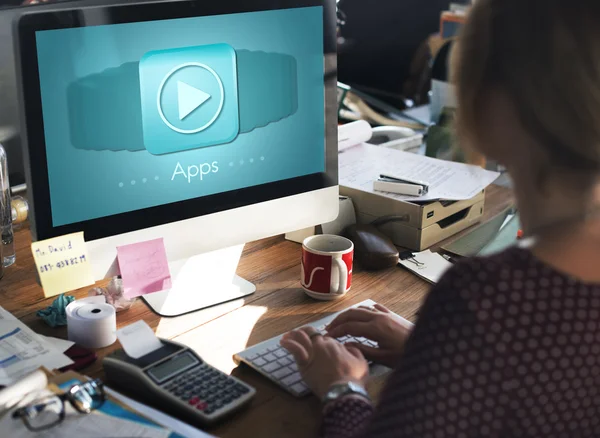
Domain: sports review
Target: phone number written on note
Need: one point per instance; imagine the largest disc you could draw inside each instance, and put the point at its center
(63, 263)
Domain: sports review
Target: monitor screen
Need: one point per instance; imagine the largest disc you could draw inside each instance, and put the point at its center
(143, 114)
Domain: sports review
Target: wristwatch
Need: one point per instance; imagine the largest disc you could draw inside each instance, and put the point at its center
(341, 389)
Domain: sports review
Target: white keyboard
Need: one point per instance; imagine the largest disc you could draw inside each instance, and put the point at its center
(273, 361)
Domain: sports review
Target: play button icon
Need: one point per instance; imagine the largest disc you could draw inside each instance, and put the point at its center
(190, 104)
(189, 99)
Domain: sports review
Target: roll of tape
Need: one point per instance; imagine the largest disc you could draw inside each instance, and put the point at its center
(91, 322)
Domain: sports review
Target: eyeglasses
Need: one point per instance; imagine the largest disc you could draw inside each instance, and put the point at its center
(49, 411)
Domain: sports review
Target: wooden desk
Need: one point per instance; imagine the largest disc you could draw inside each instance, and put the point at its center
(278, 305)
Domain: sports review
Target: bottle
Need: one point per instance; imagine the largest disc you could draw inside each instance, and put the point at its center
(8, 247)
(19, 211)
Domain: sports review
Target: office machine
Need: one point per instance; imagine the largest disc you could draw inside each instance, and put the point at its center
(175, 379)
(277, 364)
(207, 124)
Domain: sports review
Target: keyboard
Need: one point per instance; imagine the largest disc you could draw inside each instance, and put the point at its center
(274, 362)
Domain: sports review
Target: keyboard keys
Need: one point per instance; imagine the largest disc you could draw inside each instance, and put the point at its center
(269, 357)
(273, 347)
(284, 361)
(260, 362)
(294, 366)
(280, 353)
(299, 387)
(252, 356)
(270, 367)
(282, 372)
(291, 379)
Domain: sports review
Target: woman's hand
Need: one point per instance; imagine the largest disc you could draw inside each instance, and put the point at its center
(323, 361)
(377, 324)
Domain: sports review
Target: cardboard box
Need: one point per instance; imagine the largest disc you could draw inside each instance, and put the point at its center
(416, 226)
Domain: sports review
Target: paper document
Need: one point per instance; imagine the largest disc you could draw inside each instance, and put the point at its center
(138, 339)
(144, 268)
(63, 264)
(23, 351)
(75, 424)
(430, 266)
(60, 344)
(353, 133)
(159, 417)
(360, 165)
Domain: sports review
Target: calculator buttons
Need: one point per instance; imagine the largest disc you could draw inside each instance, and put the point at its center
(206, 390)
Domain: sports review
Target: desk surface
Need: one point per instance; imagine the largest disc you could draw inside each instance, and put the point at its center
(278, 305)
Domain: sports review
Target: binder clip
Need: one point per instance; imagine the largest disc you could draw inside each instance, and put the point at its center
(409, 256)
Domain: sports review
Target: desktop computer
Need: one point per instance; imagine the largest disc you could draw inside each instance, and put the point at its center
(207, 124)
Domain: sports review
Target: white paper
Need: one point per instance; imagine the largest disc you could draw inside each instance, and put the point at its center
(159, 417)
(360, 165)
(75, 424)
(60, 344)
(138, 339)
(91, 322)
(23, 351)
(353, 133)
(13, 394)
(429, 265)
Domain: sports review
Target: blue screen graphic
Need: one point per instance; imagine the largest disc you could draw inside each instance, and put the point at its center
(144, 114)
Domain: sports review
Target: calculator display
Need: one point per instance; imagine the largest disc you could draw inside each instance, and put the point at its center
(162, 372)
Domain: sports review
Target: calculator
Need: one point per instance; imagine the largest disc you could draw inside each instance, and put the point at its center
(174, 379)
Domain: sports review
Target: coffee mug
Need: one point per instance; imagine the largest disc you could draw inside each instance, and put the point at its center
(326, 266)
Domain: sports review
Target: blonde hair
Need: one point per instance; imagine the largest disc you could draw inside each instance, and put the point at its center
(544, 56)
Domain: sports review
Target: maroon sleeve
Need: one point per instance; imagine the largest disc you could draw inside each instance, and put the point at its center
(449, 380)
(346, 417)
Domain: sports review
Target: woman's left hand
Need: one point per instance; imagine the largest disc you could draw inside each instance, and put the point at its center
(323, 361)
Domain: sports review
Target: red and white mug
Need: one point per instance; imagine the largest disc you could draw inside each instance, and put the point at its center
(327, 266)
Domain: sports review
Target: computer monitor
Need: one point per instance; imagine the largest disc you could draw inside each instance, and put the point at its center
(207, 124)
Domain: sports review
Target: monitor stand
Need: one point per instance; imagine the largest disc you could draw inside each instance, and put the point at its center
(201, 281)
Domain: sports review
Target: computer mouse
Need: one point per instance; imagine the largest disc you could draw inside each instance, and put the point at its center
(373, 250)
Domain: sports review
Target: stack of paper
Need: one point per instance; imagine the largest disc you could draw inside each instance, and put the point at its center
(360, 165)
(23, 351)
(428, 265)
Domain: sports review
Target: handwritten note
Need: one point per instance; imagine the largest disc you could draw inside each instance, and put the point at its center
(144, 268)
(63, 264)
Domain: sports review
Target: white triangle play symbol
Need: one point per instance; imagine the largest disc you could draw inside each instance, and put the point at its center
(189, 98)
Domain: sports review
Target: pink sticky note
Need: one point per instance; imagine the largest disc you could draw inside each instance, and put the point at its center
(144, 268)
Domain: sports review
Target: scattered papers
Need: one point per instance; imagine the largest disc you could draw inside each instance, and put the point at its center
(95, 424)
(60, 344)
(160, 417)
(63, 264)
(138, 339)
(360, 165)
(428, 265)
(22, 351)
(144, 268)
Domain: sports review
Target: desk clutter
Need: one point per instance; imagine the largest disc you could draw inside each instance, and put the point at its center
(420, 200)
(169, 375)
(44, 404)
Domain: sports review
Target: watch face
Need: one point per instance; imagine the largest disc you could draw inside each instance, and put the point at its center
(339, 390)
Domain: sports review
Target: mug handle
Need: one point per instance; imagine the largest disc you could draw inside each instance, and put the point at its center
(343, 271)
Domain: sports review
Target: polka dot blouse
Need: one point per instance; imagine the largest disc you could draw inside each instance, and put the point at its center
(504, 346)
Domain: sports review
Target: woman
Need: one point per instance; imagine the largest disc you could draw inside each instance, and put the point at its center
(507, 345)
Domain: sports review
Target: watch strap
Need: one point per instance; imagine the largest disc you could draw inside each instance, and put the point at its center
(340, 390)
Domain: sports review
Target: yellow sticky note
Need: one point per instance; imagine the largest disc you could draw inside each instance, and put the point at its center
(63, 264)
